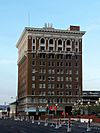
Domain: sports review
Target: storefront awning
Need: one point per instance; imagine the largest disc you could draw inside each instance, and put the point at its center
(34, 110)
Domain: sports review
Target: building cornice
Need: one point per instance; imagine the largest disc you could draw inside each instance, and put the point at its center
(51, 31)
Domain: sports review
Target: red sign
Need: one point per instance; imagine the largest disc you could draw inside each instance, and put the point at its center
(66, 114)
(63, 113)
(50, 108)
(53, 108)
(74, 28)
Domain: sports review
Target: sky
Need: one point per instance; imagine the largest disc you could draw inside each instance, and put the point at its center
(17, 14)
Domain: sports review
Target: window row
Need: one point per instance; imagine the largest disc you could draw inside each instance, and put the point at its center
(59, 41)
(58, 49)
(53, 100)
(52, 86)
(52, 78)
(52, 93)
(61, 45)
(59, 64)
(54, 56)
(53, 71)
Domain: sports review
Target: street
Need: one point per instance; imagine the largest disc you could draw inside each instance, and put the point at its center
(12, 126)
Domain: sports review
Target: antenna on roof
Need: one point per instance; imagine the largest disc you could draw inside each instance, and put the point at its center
(28, 19)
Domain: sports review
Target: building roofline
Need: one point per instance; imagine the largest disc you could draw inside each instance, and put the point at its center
(52, 30)
(22, 34)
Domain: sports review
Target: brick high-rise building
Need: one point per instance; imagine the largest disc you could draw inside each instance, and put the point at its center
(49, 68)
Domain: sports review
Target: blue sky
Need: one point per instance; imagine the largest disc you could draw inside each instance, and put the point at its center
(62, 13)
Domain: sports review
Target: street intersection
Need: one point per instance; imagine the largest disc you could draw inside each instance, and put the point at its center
(17, 126)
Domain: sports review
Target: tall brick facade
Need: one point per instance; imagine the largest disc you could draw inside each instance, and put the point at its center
(49, 68)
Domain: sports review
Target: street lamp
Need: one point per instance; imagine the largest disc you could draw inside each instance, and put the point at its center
(88, 107)
(47, 108)
(78, 104)
(88, 125)
(37, 110)
(56, 109)
(82, 105)
(97, 107)
(75, 106)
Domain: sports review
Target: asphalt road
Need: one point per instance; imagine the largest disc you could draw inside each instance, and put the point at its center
(12, 126)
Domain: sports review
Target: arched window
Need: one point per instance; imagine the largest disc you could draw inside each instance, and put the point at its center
(51, 41)
(60, 42)
(68, 42)
(42, 41)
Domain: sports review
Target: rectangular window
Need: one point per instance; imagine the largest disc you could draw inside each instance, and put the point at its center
(48, 63)
(33, 41)
(66, 71)
(77, 79)
(66, 86)
(66, 63)
(33, 55)
(58, 71)
(52, 63)
(58, 78)
(42, 63)
(33, 47)
(70, 64)
(50, 48)
(70, 79)
(33, 78)
(70, 93)
(76, 72)
(57, 63)
(49, 71)
(61, 63)
(76, 49)
(42, 78)
(76, 57)
(61, 56)
(33, 63)
(61, 86)
(42, 93)
(66, 78)
(52, 78)
(61, 71)
(62, 78)
(70, 72)
(42, 70)
(53, 71)
(50, 86)
(70, 86)
(33, 71)
(76, 64)
(42, 85)
(33, 92)
(33, 86)
(68, 49)
(59, 48)
(42, 48)
(42, 55)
